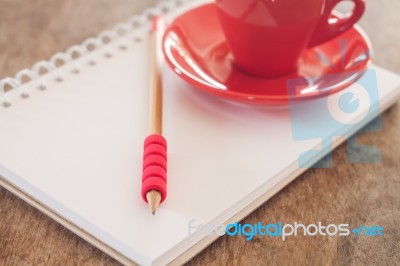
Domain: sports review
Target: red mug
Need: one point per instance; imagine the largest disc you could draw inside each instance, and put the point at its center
(267, 37)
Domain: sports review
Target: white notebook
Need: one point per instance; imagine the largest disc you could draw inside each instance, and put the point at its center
(74, 150)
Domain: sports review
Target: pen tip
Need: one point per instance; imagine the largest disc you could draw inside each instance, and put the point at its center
(154, 199)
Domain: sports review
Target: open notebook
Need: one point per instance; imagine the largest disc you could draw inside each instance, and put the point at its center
(74, 150)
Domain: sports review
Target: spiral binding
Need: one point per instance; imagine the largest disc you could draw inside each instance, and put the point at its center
(68, 60)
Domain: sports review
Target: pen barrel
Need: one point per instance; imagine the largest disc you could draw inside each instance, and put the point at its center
(154, 166)
(155, 93)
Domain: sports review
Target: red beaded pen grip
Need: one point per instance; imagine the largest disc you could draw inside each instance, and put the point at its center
(154, 166)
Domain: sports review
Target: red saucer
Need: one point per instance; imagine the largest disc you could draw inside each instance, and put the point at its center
(195, 48)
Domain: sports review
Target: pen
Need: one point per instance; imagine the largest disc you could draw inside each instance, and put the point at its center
(154, 178)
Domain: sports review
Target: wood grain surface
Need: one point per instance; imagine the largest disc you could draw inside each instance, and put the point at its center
(347, 193)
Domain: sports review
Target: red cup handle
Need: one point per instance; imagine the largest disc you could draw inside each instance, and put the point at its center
(327, 30)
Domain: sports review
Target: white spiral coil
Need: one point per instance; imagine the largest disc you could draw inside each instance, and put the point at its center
(80, 51)
(61, 62)
(31, 75)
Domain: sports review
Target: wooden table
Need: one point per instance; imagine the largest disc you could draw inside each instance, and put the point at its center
(355, 194)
